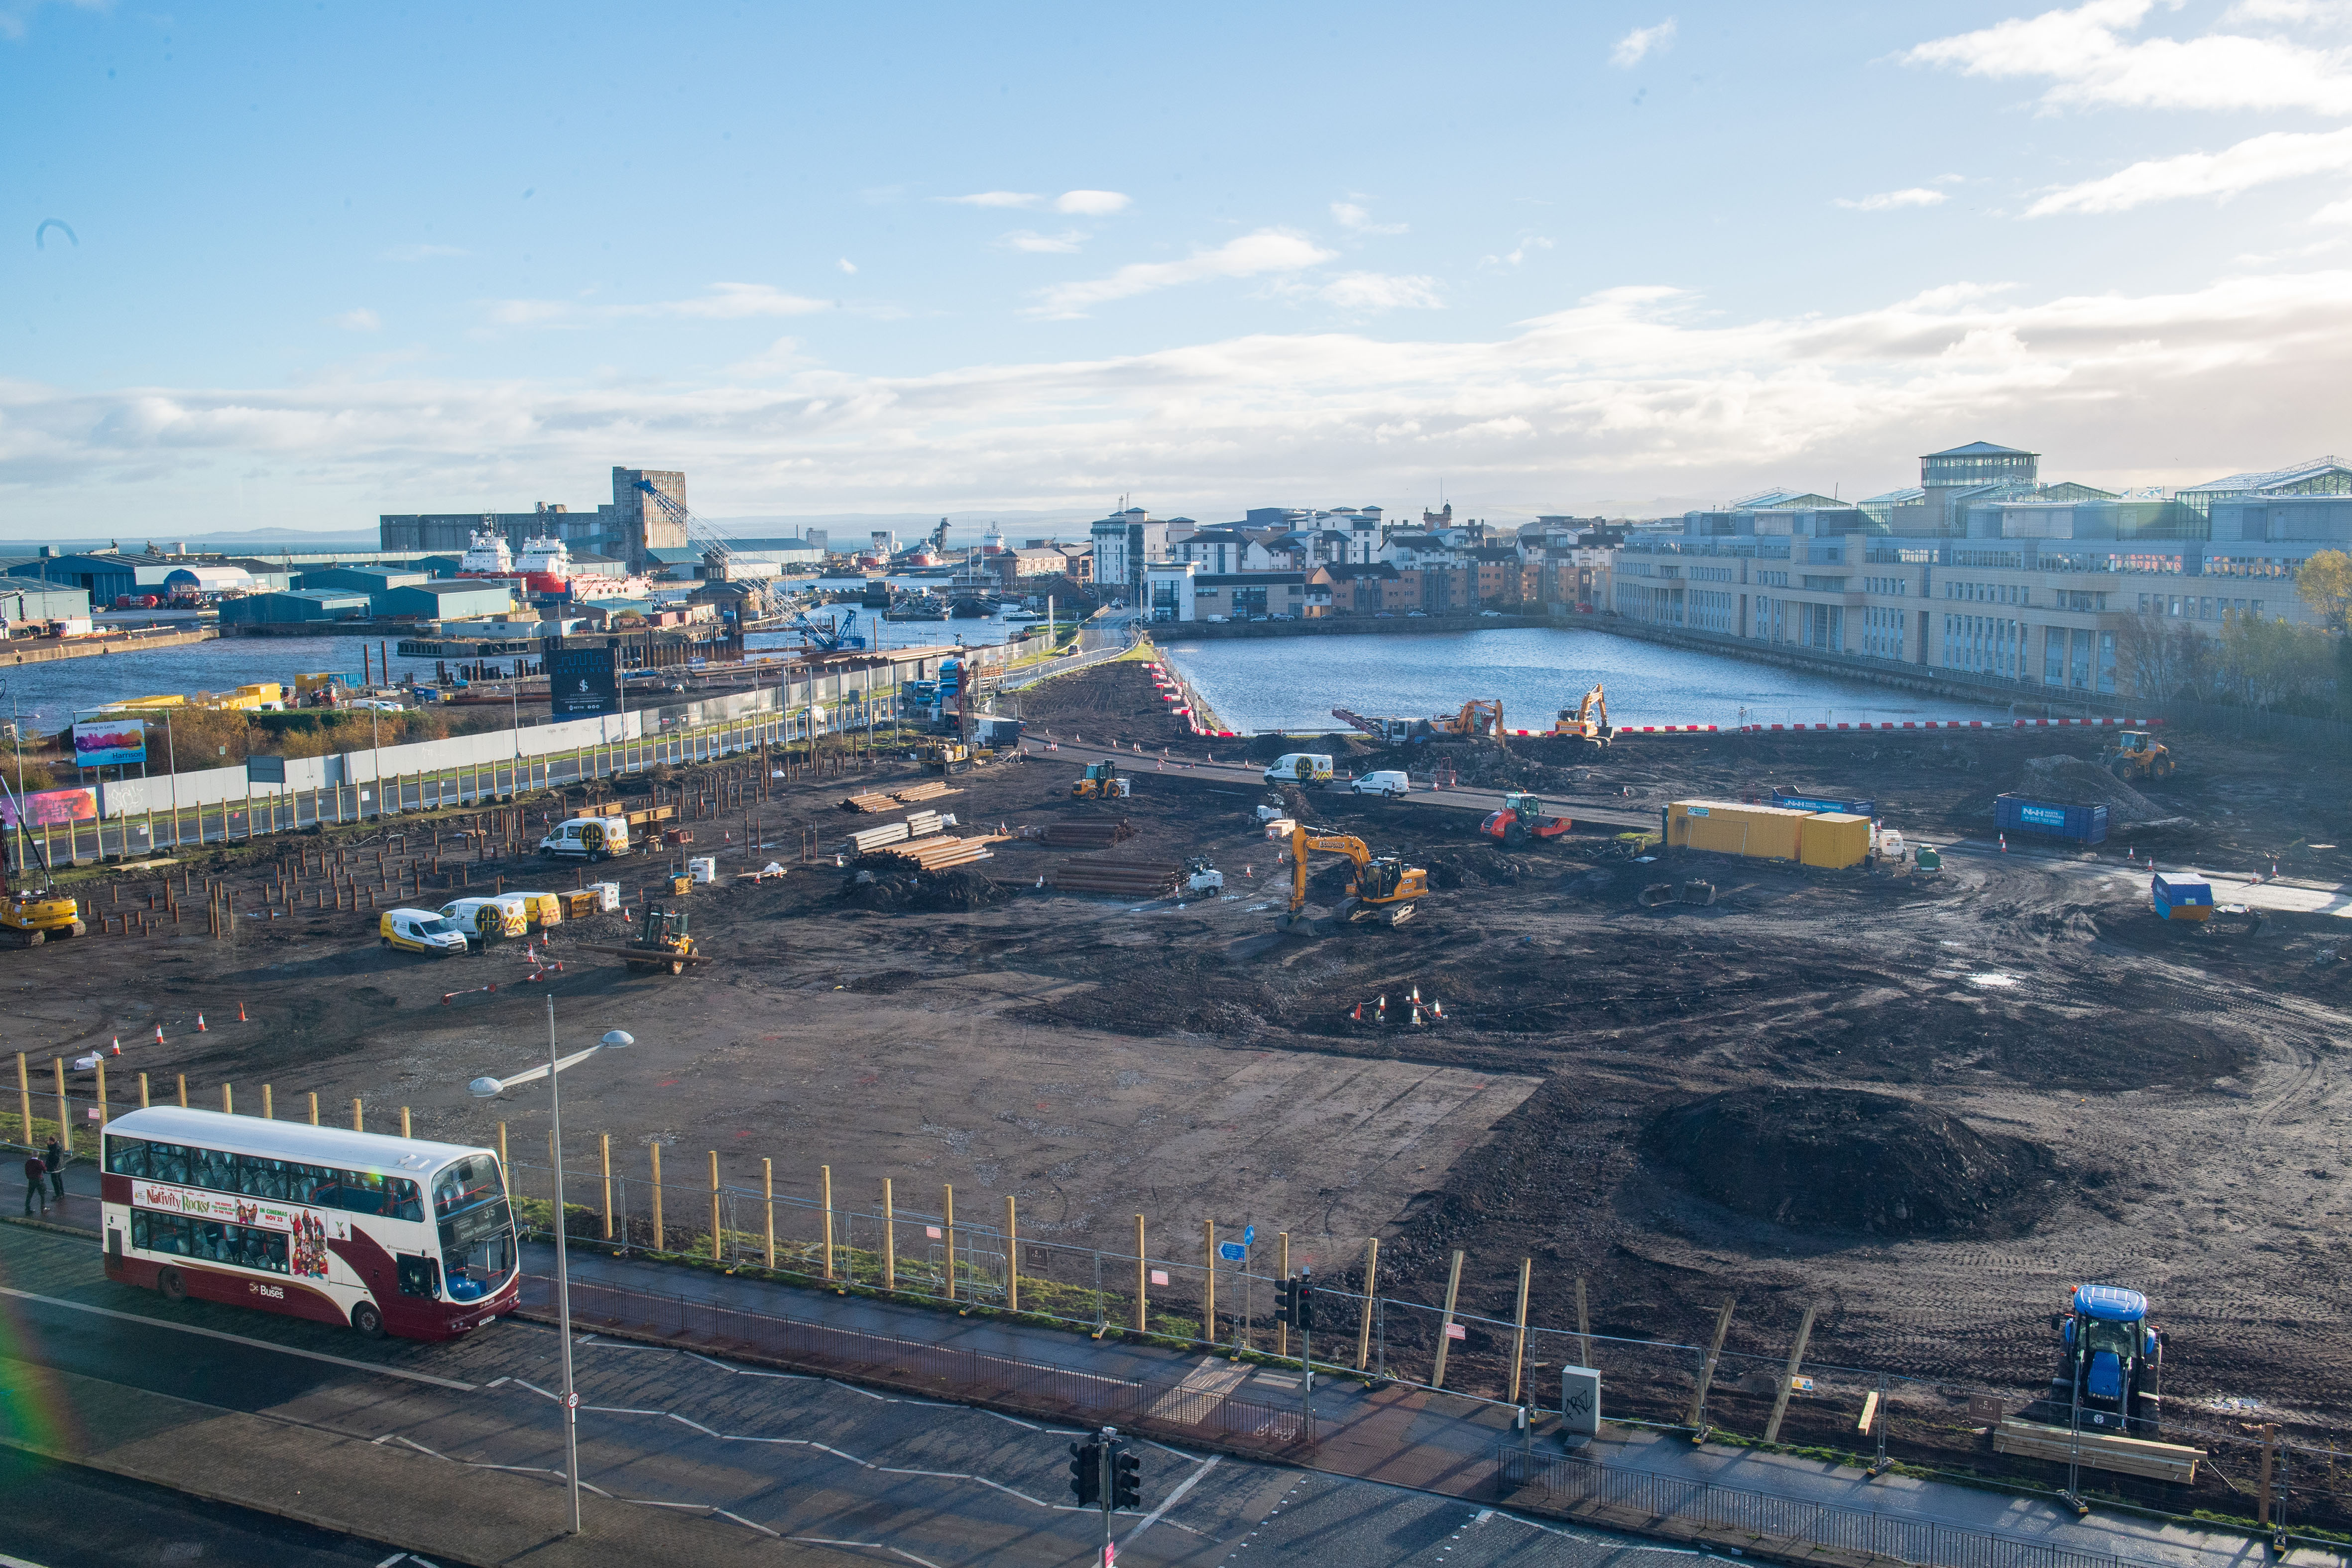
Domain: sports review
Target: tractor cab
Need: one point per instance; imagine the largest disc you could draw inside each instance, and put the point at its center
(2139, 755)
(2110, 1359)
(1523, 818)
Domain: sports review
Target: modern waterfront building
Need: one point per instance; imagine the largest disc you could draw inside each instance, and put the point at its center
(1125, 544)
(1986, 571)
(626, 527)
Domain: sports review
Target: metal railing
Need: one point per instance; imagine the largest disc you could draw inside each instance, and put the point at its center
(924, 1367)
(1598, 1493)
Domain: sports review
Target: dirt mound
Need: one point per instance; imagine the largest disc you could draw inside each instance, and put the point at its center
(1845, 1160)
(2075, 782)
(886, 882)
(1266, 748)
(1477, 867)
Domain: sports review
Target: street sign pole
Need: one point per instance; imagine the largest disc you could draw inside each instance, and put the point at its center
(1109, 1435)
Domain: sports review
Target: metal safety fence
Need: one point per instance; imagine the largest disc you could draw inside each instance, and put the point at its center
(923, 1366)
(1595, 1492)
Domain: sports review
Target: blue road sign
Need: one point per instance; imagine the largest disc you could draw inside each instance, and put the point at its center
(1231, 1251)
(1249, 1234)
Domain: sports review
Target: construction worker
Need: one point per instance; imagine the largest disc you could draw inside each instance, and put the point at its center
(35, 1169)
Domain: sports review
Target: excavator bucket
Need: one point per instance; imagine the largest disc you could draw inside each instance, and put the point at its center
(1657, 894)
(1699, 893)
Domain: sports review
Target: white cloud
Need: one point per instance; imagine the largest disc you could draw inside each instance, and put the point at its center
(2085, 53)
(1643, 391)
(2325, 13)
(2334, 212)
(846, 266)
(1081, 204)
(1641, 43)
(1351, 216)
(1886, 201)
(423, 252)
(724, 302)
(1518, 252)
(1029, 240)
(2258, 160)
(1374, 291)
(1251, 256)
(362, 319)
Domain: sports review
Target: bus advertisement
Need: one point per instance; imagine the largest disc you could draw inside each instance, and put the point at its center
(400, 1236)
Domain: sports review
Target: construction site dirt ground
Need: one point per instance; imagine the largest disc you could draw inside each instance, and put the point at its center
(1925, 1106)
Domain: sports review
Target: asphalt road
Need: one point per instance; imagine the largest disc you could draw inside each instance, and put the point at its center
(882, 1477)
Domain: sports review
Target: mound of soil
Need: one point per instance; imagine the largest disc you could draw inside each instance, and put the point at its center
(886, 882)
(2075, 783)
(1845, 1160)
(1478, 867)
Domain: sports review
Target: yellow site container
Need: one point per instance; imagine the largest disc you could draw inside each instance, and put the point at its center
(265, 691)
(1834, 839)
(1732, 827)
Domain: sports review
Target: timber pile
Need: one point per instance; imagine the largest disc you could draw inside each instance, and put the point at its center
(869, 803)
(865, 841)
(923, 824)
(930, 791)
(2123, 1456)
(940, 854)
(1128, 879)
(1087, 835)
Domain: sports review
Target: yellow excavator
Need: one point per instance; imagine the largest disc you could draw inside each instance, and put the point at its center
(1384, 891)
(1100, 782)
(31, 916)
(1586, 721)
(1481, 719)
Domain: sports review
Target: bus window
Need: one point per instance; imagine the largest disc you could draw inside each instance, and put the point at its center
(464, 1183)
(416, 1276)
(478, 1244)
(126, 1157)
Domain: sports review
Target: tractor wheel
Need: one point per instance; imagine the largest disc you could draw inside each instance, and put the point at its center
(678, 966)
(2164, 767)
(2120, 767)
(1515, 834)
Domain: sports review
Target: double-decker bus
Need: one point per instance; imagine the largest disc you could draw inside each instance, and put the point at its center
(388, 1235)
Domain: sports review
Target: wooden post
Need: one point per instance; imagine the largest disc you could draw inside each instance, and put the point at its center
(1282, 1271)
(1519, 1334)
(358, 1118)
(605, 1153)
(183, 1091)
(768, 1182)
(102, 1095)
(403, 1124)
(143, 1091)
(1583, 1325)
(228, 1098)
(718, 1242)
(1143, 1280)
(269, 1105)
(1371, 1283)
(314, 1107)
(1209, 1280)
(824, 1177)
(1706, 1367)
(2262, 1491)
(947, 1230)
(65, 1106)
(889, 1240)
(1011, 1256)
(1445, 1329)
(25, 1098)
(506, 1171)
(1789, 1378)
(654, 1149)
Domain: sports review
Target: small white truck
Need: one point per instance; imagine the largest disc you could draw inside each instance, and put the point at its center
(587, 838)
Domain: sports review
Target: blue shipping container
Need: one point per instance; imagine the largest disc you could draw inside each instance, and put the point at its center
(2078, 824)
(2182, 896)
(1796, 802)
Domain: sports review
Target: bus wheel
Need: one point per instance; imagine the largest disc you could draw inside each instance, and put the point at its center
(174, 1288)
(367, 1319)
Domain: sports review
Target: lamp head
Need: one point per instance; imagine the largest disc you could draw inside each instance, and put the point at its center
(618, 1039)
(484, 1088)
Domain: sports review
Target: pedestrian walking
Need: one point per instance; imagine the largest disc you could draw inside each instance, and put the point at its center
(55, 1158)
(35, 1169)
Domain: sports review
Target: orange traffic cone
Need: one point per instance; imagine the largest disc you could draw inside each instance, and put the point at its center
(2004, 844)
(117, 1047)
(1437, 1009)
(159, 1034)
(1359, 1014)
(240, 1012)
(200, 1024)
(1416, 1014)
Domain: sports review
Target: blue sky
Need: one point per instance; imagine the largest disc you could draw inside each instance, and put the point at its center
(294, 266)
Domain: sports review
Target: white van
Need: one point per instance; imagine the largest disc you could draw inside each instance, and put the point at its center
(1388, 782)
(419, 931)
(1298, 768)
(487, 916)
(587, 838)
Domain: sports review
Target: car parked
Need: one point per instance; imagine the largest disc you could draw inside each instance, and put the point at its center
(1388, 781)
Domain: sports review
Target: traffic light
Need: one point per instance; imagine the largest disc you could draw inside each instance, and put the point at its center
(1085, 1472)
(1126, 1477)
(1302, 1306)
(1285, 1302)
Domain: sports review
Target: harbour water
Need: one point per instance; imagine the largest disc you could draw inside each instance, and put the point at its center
(1293, 683)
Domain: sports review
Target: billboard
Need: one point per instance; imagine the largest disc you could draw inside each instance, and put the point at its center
(52, 808)
(116, 742)
(580, 682)
(264, 770)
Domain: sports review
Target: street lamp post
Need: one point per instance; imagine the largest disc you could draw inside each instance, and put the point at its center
(488, 1088)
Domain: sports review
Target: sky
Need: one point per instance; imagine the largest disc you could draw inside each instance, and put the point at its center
(284, 265)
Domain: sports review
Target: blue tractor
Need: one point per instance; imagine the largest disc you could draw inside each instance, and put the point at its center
(2110, 1364)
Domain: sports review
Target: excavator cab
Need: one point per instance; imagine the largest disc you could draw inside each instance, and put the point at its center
(1383, 889)
(30, 916)
(1588, 721)
(2139, 755)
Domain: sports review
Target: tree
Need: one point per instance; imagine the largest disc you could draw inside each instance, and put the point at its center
(2324, 583)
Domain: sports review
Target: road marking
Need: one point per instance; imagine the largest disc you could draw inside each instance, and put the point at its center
(240, 1339)
(868, 1545)
(8, 1562)
(1173, 1497)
